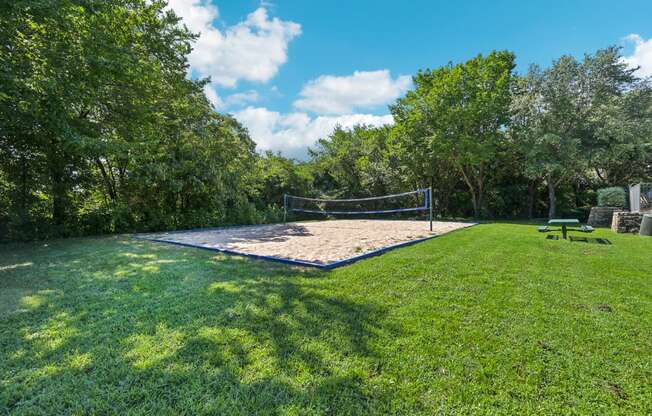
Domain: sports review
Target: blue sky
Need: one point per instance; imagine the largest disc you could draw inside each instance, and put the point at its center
(292, 70)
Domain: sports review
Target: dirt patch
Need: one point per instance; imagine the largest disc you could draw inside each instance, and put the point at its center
(617, 391)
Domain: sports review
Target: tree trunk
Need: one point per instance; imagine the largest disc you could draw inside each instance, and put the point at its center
(480, 199)
(552, 198)
(58, 197)
(109, 184)
(23, 187)
(531, 198)
(59, 189)
(476, 205)
(476, 193)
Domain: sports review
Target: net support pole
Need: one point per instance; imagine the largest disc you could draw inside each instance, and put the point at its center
(285, 208)
(430, 206)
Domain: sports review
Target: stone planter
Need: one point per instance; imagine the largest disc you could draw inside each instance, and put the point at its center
(626, 222)
(601, 216)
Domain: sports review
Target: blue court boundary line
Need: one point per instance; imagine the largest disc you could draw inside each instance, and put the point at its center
(238, 253)
(304, 263)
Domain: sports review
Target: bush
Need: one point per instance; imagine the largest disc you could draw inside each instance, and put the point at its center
(612, 197)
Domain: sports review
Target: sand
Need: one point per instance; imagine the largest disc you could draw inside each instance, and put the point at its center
(319, 242)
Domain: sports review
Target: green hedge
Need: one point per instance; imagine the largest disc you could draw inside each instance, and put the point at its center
(612, 197)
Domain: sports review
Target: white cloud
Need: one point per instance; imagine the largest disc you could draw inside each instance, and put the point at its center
(242, 98)
(642, 55)
(293, 133)
(331, 94)
(213, 97)
(251, 50)
(196, 14)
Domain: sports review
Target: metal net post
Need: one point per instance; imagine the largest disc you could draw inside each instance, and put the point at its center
(430, 206)
(285, 207)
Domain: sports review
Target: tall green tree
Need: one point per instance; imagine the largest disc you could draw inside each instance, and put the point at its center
(621, 129)
(546, 123)
(459, 113)
(578, 117)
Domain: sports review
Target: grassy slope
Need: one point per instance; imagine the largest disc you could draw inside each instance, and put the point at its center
(494, 319)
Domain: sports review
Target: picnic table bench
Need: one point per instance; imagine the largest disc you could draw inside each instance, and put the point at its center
(565, 223)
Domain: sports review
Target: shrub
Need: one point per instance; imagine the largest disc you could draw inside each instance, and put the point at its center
(612, 197)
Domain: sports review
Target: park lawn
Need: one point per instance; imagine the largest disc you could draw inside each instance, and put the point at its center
(494, 319)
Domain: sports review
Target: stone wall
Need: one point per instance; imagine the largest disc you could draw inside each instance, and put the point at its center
(626, 222)
(601, 216)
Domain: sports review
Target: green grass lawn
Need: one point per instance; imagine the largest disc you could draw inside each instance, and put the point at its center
(490, 320)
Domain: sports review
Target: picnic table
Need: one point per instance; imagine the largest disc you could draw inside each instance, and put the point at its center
(564, 223)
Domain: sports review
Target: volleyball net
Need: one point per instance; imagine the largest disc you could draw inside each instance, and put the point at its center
(419, 201)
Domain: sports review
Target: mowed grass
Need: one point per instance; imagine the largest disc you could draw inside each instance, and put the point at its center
(490, 320)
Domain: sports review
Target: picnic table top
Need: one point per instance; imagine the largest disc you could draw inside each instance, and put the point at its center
(559, 221)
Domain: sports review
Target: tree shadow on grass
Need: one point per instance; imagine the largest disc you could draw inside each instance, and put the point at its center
(128, 325)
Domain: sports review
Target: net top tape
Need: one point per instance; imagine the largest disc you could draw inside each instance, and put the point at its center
(357, 199)
(385, 211)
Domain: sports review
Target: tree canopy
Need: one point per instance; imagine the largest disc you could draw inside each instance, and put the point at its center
(576, 119)
(458, 113)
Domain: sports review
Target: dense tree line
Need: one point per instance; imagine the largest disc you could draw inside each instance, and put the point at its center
(101, 130)
(492, 143)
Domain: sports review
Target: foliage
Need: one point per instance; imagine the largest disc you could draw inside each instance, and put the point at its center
(575, 117)
(103, 132)
(278, 176)
(458, 112)
(116, 325)
(615, 196)
(355, 162)
(621, 151)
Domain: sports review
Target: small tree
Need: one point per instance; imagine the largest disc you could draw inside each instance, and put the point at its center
(612, 197)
